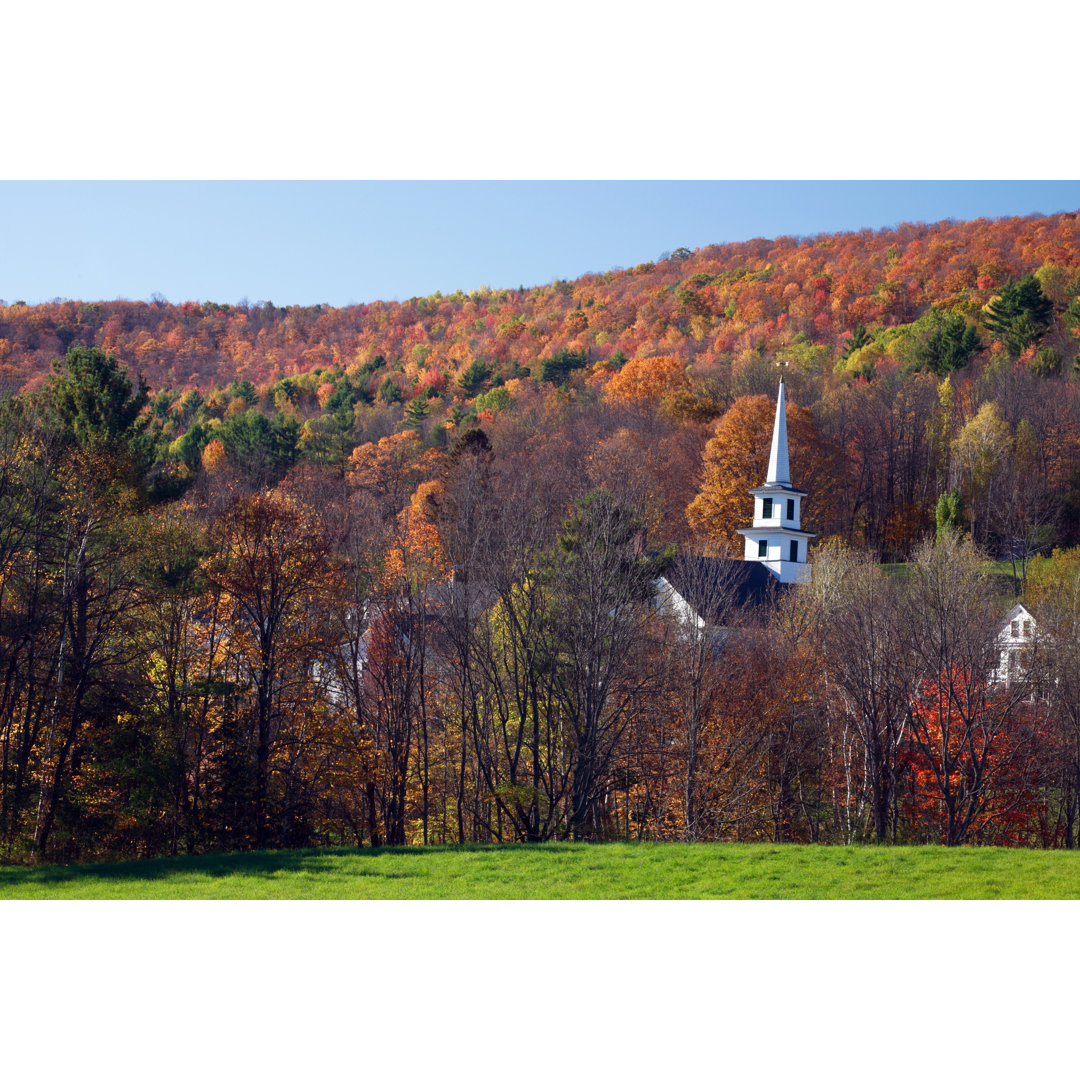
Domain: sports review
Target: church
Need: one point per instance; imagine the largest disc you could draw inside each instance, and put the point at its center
(774, 537)
(775, 551)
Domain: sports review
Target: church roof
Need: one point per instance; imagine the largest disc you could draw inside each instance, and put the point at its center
(772, 530)
(776, 489)
(698, 578)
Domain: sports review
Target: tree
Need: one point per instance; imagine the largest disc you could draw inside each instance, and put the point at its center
(946, 342)
(474, 376)
(949, 513)
(859, 338)
(103, 410)
(710, 585)
(272, 560)
(1059, 636)
(648, 380)
(97, 400)
(603, 591)
(98, 609)
(1020, 315)
(867, 660)
(557, 369)
(416, 412)
(965, 743)
(981, 450)
(262, 449)
(1022, 514)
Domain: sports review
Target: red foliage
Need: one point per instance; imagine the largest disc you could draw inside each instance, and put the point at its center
(968, 756)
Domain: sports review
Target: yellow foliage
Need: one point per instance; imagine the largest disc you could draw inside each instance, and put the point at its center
(213, 457)
(1053, 577)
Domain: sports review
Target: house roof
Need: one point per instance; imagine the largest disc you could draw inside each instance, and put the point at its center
(1018, 610)
(700, 579)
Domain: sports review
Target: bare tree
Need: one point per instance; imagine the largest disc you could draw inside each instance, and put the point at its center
(1059, 665)
(1023, 516)
(604, 594)
(709, 586)
(868, 663)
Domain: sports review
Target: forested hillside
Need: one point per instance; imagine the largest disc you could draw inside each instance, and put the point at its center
(868, 326)
(383, 574)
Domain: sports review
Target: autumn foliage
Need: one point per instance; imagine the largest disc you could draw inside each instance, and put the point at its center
(386, 573)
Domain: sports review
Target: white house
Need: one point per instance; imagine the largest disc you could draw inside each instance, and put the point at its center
(1015, 639)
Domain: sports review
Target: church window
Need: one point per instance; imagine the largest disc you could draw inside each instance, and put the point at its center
(763, 549)
(791, 509)
(794, 550)
(766, 508)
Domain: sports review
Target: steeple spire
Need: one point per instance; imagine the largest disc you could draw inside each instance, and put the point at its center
(776, 537)
(779, 472)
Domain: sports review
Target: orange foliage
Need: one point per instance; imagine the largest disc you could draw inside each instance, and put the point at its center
(647, 380)
(737, 458)
(696, 306)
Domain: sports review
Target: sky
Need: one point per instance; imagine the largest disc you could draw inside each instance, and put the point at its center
(340, 242)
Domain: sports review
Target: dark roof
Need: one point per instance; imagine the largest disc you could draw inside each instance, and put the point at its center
(703, 582)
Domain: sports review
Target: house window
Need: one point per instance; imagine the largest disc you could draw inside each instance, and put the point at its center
(1027, 628)
(1014, 628)
(794, 550)
(791, 509)
(763, 549)
(766, 508)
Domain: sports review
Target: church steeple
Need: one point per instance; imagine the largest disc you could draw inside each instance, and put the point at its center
(774, 536)
(779, 471)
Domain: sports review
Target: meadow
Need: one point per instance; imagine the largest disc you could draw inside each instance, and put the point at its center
(568, 871)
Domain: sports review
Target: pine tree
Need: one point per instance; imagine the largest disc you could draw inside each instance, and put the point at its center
(416, 413)
(1020, 315)
(859, 338)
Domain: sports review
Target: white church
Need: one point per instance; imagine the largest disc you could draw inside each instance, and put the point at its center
(774, 537)
(775, 546)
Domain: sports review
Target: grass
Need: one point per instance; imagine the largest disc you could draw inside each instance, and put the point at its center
(568, 871)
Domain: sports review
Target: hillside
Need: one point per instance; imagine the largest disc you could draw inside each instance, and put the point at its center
(718, 304)
(868, 327)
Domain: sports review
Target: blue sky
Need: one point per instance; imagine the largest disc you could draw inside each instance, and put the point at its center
(342, 241)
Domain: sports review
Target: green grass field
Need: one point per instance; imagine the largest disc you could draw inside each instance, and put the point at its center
(569, 872)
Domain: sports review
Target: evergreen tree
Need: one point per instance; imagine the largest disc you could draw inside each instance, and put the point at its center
(1020, 315)
(859, 338)
(415, 414)
(474, 376)
(98, 403)
(947, 343)
(949, 514)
